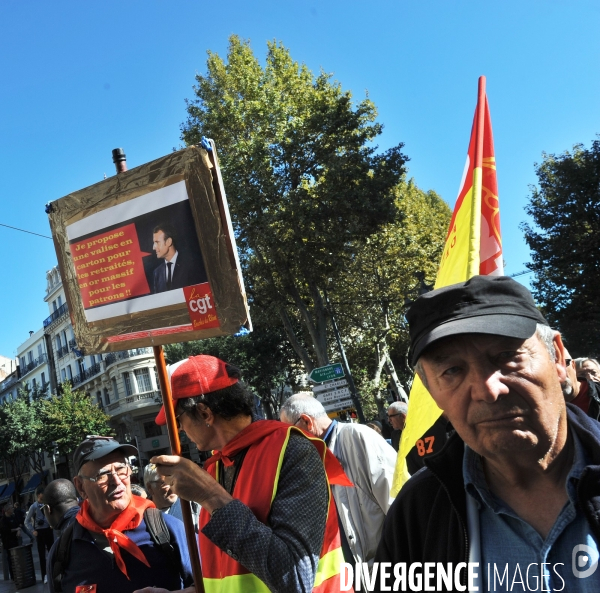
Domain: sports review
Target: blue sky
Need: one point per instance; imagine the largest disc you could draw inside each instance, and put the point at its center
(81, 78)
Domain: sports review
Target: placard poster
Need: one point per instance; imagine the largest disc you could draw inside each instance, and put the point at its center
(150, 264)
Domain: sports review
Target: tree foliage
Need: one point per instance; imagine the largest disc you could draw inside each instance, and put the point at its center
(565, 244)
(371, 298)
(305, 184)
(68, 418)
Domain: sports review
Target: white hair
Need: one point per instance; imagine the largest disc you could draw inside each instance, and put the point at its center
(302, 403)
(399, 407)
(150, 473)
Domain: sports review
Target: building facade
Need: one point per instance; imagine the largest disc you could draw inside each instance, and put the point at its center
(124, 384)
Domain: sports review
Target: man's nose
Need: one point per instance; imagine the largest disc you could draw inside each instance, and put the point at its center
(487, 384)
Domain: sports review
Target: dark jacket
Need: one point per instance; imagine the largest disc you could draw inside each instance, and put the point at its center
(8, 536)
(185, 273)
(428, 520)
(594, 395)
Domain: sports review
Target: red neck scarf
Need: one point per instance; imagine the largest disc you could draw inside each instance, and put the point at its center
(130, 518)
(259, 430)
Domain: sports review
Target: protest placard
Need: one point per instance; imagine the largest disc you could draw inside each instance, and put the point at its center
(149, 257)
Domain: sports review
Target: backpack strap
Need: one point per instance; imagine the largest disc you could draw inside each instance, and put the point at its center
(161, 536)
(62, 557)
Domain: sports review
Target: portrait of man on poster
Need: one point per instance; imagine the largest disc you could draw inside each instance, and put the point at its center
(174, 270)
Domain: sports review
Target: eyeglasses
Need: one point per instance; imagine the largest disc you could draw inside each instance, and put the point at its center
(568, 361)
(177, 422)
(121, 471)
(394, 415)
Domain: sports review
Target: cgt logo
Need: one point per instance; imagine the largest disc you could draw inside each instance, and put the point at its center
(584, 561)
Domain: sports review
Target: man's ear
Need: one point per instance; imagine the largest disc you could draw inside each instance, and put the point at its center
(310, 423)
(205, 413)
(559, 357)
(78, 482)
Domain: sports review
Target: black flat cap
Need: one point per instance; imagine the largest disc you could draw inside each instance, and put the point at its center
(496, 305)
(94, 447)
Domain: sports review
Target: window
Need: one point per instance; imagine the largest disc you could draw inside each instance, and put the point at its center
(99, 398)
(115, 389)
(43, 380)
(69, 372)
(59, 301)
(54, 307)
(156, 381)
(30, 356)
(127, 381)
(143, 380)
(22, 364)
(151, 429)
(81, 366)
(65, 341)
(34, 384)
(58, 344)
(106, 396)
(63, 375)
(40, 351)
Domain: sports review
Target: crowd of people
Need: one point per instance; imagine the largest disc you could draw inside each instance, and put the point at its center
(513, 478)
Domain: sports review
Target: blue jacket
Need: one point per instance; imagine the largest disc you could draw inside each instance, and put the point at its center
(89, 565)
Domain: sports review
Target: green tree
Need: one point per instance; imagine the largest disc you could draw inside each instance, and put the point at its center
(68, 418)
(565, 244)
(370, 300)
(19, 433)
(304, 181)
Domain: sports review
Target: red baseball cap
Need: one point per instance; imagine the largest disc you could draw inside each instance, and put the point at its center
(196, 376)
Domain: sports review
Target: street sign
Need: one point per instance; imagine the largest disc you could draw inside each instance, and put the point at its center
(328, 373)
(329, 396)
(329, 385)
(340, 404)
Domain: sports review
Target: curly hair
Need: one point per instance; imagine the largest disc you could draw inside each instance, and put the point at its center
(232, 401)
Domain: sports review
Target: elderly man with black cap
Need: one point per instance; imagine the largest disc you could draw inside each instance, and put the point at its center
(268, 521)
(517, 487)
(118, 542)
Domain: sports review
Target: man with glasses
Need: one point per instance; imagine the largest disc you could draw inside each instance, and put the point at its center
(579, 391)
(110, 548)
(396, 415)
(60, 504)
(164, 498)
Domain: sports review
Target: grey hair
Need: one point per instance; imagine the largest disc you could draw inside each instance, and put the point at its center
(544, 333)
(302, 403)
(399, 407)
(579, 362)
(150, 473)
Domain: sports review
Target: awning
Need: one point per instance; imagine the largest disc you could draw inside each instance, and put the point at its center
(7, 492)
(33, 483)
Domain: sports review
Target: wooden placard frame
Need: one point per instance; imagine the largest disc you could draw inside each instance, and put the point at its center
(199, 170)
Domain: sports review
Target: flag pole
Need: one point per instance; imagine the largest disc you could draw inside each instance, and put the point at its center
(120, 162)
(473, 260)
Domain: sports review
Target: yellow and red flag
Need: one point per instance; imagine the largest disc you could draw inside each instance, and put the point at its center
(473, 246)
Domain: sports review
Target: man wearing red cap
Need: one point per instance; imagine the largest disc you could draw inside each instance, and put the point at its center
(267, 519)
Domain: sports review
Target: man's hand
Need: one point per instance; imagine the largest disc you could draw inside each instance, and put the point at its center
(35, 534)
(191, 482)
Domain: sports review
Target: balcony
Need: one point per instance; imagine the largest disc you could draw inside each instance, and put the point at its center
(87, 374)
(124, 354)
(62, 310)
(62, 351)
(27, 368)
(133, 402)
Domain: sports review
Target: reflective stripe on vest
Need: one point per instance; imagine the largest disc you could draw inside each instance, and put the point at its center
(265, 458)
